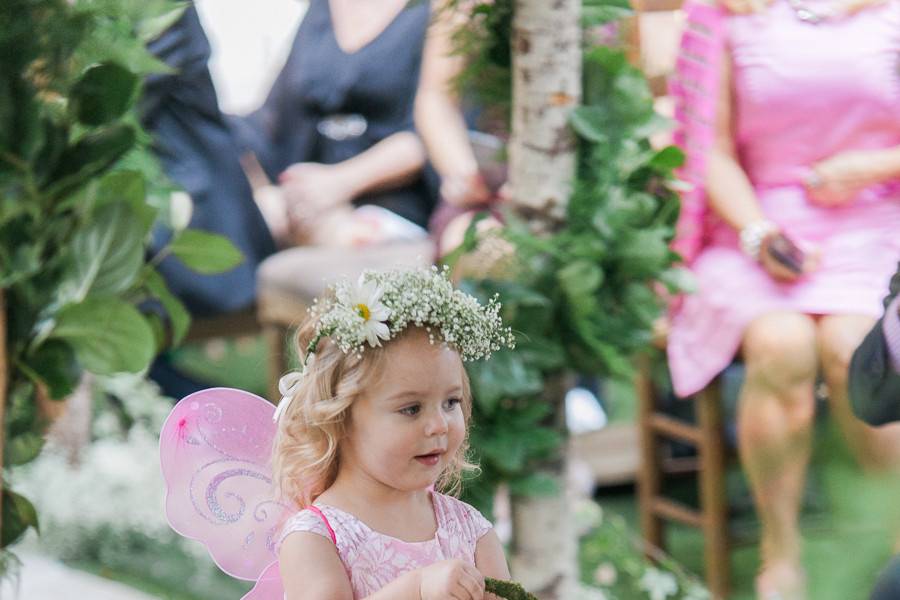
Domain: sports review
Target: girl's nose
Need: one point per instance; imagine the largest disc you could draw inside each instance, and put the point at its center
(437, 424)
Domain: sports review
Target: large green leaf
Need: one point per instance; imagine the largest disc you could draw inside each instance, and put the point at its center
(107, 254)
(177, 314)
(205, 252)
(90, 156)
(129, 187)
(55, 364)
(18, 515)
(108, 335)
(103, 94)
(23, 448)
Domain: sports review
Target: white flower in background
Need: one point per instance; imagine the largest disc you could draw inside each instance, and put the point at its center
(696, 592)
(586, 592)
(587, 515)
(659, 585)
(606, 574)
(365, 301)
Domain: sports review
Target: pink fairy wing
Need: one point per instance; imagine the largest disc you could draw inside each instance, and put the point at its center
(268, 586)
(214, 451)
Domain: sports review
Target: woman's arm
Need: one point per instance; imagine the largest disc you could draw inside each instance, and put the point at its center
(490, 558)
(728, 188)
(314, 188)
(394, 161)
(438, 117)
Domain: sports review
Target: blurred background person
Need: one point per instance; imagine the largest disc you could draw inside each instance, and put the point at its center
(336, 131)
(875, 397)
(198, 152)
(801, 181)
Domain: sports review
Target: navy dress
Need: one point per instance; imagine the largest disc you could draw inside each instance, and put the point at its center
(327, 106)
(198, 151)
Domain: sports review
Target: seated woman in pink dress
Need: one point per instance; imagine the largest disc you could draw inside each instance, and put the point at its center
(792, 115)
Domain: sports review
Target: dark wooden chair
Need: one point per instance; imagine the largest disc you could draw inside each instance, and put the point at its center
(653, 36)
(707, 437)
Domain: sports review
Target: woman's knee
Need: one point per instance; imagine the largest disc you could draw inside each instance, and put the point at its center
(838, 338)
(779, 350)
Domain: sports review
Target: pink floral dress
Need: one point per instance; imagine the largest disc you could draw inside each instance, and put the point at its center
(373, 559)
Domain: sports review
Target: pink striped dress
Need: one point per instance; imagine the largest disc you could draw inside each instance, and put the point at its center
(374, 559)
(802, 93)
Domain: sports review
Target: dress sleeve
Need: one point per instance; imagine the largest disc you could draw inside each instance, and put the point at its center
(305, 520)
(470, 523)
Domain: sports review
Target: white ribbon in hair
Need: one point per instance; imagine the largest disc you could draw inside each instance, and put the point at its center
(289, 385)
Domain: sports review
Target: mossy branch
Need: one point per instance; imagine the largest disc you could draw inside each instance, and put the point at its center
(507, 589)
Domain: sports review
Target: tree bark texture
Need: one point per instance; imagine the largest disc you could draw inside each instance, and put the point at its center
(544, 545)
(546, 41)
(546, 51)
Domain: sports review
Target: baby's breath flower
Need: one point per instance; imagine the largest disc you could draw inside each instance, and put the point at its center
(384, 303)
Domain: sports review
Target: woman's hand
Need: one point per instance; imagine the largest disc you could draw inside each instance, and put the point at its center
(454, 579)
(465, 191)
(783, 260)
(837, 180)
(312, 189)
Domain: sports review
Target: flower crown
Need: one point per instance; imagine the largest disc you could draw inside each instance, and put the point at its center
(384, 303)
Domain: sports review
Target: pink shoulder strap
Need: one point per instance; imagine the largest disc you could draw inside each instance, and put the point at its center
(322, 516)
(695, 89)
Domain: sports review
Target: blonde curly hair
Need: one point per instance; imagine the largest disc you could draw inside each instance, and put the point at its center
(306, 451)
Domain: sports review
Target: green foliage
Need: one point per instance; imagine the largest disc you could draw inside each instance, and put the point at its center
(74, 225)
(584, 297)
(485, 43)
(613, 558)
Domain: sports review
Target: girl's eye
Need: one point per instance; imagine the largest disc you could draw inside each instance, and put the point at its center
(410, 410)
(451, 403)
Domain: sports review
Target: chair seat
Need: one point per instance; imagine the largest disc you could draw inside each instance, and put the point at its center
(288, 281)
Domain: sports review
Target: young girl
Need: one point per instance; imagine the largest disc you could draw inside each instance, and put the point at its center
(370, 432)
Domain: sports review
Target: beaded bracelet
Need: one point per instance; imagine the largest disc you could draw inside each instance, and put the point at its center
(752, 237)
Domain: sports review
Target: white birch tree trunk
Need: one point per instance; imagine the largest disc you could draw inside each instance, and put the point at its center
(546, 41)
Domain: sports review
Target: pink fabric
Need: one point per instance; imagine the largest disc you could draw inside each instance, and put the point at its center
(694, 87)
(322, 516)
(803, 93)
(373, 559)
(214, 452)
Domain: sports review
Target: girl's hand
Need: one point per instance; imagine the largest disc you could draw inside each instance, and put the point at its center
(837, 180)
(451, 579)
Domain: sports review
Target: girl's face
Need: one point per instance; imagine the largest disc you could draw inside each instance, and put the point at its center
(406, 427)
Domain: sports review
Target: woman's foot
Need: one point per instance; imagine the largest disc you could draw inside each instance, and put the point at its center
(782, 581)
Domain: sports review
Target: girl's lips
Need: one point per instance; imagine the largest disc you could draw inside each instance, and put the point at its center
(429, 460)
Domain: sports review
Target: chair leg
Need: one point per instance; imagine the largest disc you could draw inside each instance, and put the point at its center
(276, 339)
(713, 500)
(650, 470)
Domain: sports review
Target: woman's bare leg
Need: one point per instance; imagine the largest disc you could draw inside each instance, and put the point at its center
(775, 417)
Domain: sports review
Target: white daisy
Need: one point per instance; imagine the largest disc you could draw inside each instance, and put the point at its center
(365, 301)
